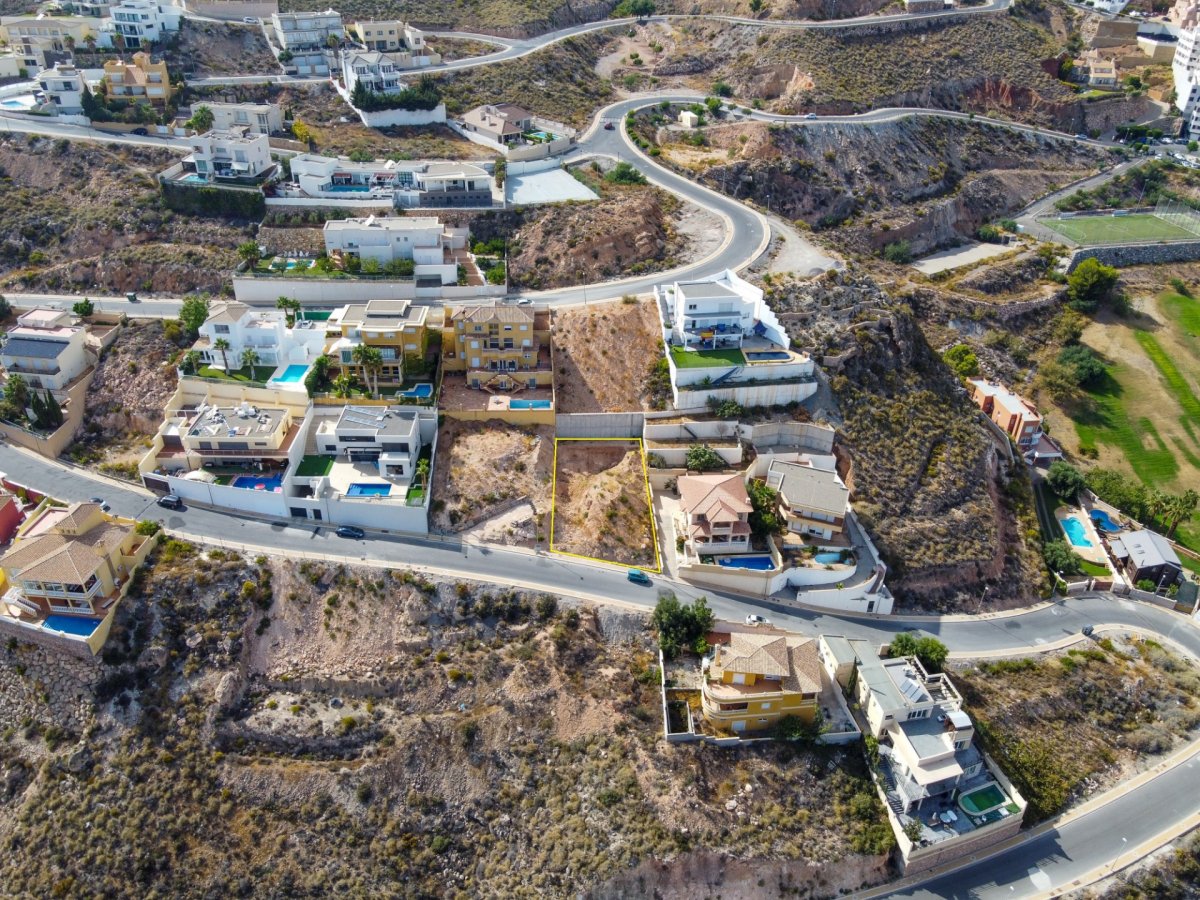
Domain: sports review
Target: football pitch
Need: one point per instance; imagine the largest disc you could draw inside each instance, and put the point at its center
(1088, 230)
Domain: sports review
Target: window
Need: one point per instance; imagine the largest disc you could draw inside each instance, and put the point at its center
(766, 706)
(221, 329)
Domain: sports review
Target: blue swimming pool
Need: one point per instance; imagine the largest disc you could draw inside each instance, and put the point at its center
(765, 355)
(1076, 533)
(76, 625)
(368, 490)
(1104, 521)
(758, 563)
(828, 557)
(346, 188)
(270, 483)
(291, 375)
(193, 178)
(529, 404)
(420, 391)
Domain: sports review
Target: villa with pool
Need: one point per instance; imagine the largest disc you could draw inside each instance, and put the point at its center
(260, 343)
(945, 797)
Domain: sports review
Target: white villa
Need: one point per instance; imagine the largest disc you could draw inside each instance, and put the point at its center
(423, 239)
(306, 35)
(721, 340)
(63, 85)
(255, 118)
(131, 23)
(45, 348)
(376, 72)
(405, 184)
(389, 439)
(264, 330)
(233, 154)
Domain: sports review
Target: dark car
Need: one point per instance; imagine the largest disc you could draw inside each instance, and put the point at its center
(637, 576)
(609, 126)
(140, 131)
(350, 531)
(170, 501)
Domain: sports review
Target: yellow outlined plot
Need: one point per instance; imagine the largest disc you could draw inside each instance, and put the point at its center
(649, 503)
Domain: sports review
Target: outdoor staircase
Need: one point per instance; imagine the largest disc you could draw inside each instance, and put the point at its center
(723, 378)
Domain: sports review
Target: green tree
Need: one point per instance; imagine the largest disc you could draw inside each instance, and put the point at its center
(898, 252)
(191, 362)
(1193, 146)
(764, 513)
(16, 392)
(1059, 383)
(193, 312)
(5, 308)
(722, 89)
(1061, 558)
(962, 359)
(371, 361)
(932, 653)
(250, 360)
(249, 252)
(638, 8)
(222, 346)
(902, 644)
(1065, 480)
(342, 386)
(625, 173)
(1084, 362)
(53, 414)
(201, 120)
(37, 411)
(679, 625)
(83, 308)
(1090, 285)
(703, 458)
(422, 471)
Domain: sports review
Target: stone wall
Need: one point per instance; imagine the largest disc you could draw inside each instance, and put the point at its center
(1137, 254)
(46, 685)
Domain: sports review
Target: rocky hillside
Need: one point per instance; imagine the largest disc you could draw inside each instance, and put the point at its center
(133, 382)
(507, 18)
(927, 482)
(931, 182)
(79, 216)
(271, 729)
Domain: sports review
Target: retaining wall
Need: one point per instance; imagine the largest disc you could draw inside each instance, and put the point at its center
(599, 425)
(1137, 254)
(748, 394)
(340, 291)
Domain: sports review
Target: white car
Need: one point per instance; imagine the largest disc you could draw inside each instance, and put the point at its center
(754, 620)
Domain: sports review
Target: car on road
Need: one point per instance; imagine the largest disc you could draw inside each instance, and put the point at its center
(811, 116)
(1088, 630)
(609, 126)
(170, 501)
(637, 576)
(1081, 137)
(131, 297)
(141, 132)
(350, 531)
(524, 301)
(102, 503)
(250, 20)
(756, 620)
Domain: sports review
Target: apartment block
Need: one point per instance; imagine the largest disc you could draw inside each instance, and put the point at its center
(394, 327)
(42, 40)
(230, 155)
(498, 346)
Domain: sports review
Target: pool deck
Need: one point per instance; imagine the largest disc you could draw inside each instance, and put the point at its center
(345, 473)
(1094, 553)
(457, 395)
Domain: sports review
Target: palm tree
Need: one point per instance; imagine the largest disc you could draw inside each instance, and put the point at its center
(371, 361)
(191, 362)
(250, 360)
(222, 346)
(290, 306)
(422, 471)
(1181, 509)
(374, 368)
(342, 385)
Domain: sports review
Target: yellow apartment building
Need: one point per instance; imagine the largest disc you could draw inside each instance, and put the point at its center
(758, 678)
(395, 327)
(142, 79)
(498, 346)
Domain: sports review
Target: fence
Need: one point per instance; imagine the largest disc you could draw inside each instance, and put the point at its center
(599, 425)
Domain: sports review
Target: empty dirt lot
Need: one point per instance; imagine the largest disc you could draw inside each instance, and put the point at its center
(483, 467)
(600, 507)
(602, 354)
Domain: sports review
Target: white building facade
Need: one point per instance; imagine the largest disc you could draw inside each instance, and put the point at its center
(46, 349)
(132, 23)
(422, 239)
(1186, 65)
(63, 85)
(264, 330)
(230, 155)
(255, 118)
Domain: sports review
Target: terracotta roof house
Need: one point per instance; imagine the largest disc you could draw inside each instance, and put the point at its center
(758, 678)
(716, 511)
(503, 123)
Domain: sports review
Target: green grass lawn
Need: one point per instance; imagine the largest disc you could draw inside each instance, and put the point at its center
(1109, 422)
(1094, 569)
(1118, 229)
(703, 359)
(314, 466)
(258, 374)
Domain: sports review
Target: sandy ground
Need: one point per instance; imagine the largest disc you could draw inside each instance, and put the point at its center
(600, 504)
(703, 230)
(483, 467)
(602, 355)
(945, 260)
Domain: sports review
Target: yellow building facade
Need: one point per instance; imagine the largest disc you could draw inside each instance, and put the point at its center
(759, 678)
(394, 327)
(498, 346)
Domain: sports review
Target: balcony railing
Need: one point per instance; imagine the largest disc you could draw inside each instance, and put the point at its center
(29, 370)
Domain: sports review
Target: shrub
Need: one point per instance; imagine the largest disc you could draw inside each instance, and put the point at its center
(147, 527)
(899, 252)
(680, 626)
(1083, 362)
(703, 458)
(1064, 479)
(1145, 584)
(624, 173)
(930, 651)
(962, 359)
(1061, 558)
(1090, 284)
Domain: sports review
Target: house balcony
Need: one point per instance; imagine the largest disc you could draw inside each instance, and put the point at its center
(75, 596)
(17, 368)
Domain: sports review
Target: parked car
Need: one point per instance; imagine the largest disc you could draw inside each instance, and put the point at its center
(756, 620)
(1081, 137)
(140, 131)
(350, 531)
(1088, 630)
(170, 501)
(811, 116)
(250, 20)
(102, 503)
(637, 576)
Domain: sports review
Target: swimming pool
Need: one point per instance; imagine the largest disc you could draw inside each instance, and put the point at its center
(291, 375)
(758, 563)
(982, 800)
(271, 483)
(529, 404)
(347, 188)
(765, 355)
(76, 625)
(1103, 521)
(828, 557)
(420, 391)
(368, 490)
(1076, 533)
(19, 103)
(193, 178)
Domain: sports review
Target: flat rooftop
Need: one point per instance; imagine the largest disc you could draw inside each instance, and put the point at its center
(382, 421)
(245, 420)
(380, 314)
(707, 290)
